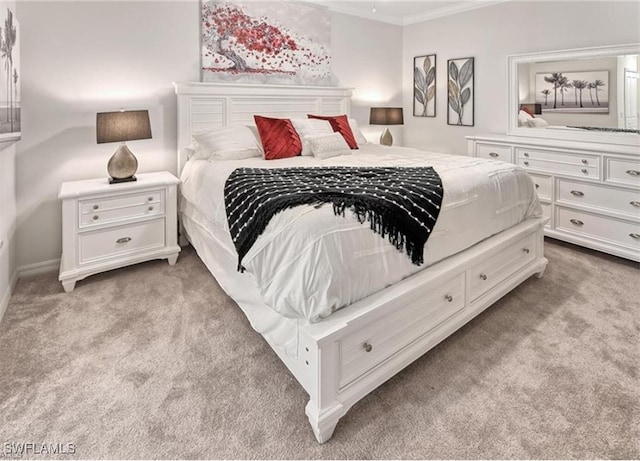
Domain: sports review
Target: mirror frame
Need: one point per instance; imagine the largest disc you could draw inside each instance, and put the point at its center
(513, 97)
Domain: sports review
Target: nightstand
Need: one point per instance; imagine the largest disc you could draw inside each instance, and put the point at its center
(107, 226)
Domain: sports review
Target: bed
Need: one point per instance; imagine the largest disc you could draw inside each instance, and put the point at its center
(354, 324)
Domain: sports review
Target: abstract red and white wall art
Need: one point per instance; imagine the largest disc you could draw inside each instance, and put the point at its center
(265, 42)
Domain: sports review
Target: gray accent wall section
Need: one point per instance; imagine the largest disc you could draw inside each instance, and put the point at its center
(80, 58)
(490, 35)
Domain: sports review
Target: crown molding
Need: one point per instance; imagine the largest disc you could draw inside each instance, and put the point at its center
(398, 21)
(450, 10)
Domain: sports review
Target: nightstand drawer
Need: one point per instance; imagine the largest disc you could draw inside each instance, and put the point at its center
(494, 152)
(104, 210)
(110, 243)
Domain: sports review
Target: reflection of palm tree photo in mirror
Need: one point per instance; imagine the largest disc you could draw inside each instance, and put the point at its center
(559, 83)
(10, 116)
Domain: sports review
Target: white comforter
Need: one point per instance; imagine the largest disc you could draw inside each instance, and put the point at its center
(309, 262)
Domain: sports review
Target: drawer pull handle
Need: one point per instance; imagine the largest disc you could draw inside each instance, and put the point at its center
(367, 347)
(150, 199)
(585, 171)
(493, 154)
(525, 250)
(95, 207)
(526, 154)
(526, 163)
(449, 298)
(150, 208)
(635, 236)
(483, 277)
(123, 240)
(585, 161)
(577, 193)
(576, 222)
(95, 217)
(633, 172)
(537, 186)
(635, 204)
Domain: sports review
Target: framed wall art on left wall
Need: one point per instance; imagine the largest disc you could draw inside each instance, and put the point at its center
(10, 120)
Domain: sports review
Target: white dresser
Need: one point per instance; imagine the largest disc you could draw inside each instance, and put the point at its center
(590, 192)
(106, 226)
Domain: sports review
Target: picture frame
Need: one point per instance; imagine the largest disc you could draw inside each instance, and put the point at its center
(577, 92)
(10, 76)
(461, 91)
(424, 85)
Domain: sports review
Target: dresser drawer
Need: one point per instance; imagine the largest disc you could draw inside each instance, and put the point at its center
(373, 344)
(546, 212)
(109, 243)
(595, 195)
(558, 157)
(592, 172)
(602, 227)
(623, 171)
(104, 210)
(494, 152)
(490, 273)
(543, 184)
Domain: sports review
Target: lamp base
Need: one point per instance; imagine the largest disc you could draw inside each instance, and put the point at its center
(386, 139)
(119, 180)
(122, 165)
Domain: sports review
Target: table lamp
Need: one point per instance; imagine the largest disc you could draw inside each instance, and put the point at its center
(121, 127)
(386, 116)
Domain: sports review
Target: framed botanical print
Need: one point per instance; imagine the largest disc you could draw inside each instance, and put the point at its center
(424, 86)
(460, 91)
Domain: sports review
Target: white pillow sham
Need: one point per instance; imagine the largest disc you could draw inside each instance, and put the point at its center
(233, 142)
(329, 145)
(360, 139)
(523, 118)
(309, 127)
(537, 123)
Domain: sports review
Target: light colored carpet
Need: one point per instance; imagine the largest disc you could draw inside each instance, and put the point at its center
(155, 361)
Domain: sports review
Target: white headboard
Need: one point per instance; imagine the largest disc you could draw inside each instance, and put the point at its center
(208, 105)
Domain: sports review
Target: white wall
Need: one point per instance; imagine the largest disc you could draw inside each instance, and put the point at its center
(79, 58)
(7, 221)
(492, 33)
(7, 212)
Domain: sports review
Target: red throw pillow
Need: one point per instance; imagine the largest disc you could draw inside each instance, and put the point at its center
(528, 111)
(340, 124)
(279, 138)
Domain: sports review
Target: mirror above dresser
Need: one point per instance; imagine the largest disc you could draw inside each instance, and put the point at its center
(589, 94)
(586, 170)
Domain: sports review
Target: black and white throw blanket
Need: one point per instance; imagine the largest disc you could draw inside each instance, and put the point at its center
(401, 204)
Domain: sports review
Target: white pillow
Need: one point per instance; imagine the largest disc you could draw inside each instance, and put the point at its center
(329, 145)
(537, 123)
(233, 142)
(360, 139)
(523, 118)
(310, 127)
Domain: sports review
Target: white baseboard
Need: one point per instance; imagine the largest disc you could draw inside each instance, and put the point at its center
(4, 301)
(38, 268)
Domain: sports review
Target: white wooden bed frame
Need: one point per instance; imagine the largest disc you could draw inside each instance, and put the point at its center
(344, 357)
